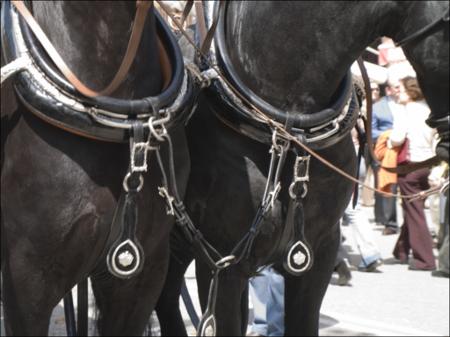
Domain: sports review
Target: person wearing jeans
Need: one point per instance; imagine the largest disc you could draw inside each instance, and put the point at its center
(384, 114)
(362, 234)
(267, 292)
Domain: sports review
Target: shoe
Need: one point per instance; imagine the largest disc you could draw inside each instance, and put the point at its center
(440, 273)
(412, 267)
(389, 231)
(344, 274)
(371, 267)
(252, 333)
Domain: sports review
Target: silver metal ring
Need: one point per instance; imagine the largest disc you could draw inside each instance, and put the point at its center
(225, 262)
(125, 182)
(293, 195)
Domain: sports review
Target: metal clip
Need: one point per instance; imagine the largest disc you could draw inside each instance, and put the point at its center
(300, 177)
(279, 144)
(169, 199)
(274, 194)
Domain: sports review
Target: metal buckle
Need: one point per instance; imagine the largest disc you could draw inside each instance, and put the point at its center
(134, 148)
(300, 177)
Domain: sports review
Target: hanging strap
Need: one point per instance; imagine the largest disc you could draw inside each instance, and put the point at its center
(206, 44)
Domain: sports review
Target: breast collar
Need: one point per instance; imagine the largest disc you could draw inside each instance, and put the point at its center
(318, 130)
(48, 95)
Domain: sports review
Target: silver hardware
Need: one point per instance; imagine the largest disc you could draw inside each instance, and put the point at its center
(134, 148)
(274, 194)
(325, 135)
(112, 265)
(299, 258)
(307, 257)
(209, 327)
(165, 194)
(225, 262)
(300, 179)
(279, 144)
(125, 258)
(161, 133)
(125, 182)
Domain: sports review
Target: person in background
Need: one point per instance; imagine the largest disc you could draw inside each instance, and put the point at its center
(384, 112)
(436, 179)
(357, 220)
(267, 293)
(411, 127)
(341, 264)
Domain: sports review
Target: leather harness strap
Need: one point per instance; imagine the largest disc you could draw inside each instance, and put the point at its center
(142, 8)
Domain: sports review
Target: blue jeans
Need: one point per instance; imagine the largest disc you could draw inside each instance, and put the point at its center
(362, 233)
(267, 293)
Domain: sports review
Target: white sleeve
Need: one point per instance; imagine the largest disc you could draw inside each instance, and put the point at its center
(399, 127)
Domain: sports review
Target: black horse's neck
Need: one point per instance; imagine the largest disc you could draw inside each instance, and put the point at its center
(429, 52)
(294, 54)
(288, 55)
(92, 38)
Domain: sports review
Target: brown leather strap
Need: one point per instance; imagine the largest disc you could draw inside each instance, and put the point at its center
(402, 169)
(142, 8)
(186, 11)
(206, 44)
(200, 23)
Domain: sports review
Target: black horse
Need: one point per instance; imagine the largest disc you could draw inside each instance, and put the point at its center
(290, 60)
(59, 190)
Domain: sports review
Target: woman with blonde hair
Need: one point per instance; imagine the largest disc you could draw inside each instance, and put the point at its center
(410, 127)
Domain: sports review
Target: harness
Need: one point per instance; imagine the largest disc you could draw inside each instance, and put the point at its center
(143, 123)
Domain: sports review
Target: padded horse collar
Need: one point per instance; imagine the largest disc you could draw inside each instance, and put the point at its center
(47, 94)
(319, 130)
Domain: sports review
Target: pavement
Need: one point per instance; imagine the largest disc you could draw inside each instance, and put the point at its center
(394, 301)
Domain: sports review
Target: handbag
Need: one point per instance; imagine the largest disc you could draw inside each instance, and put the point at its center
(403, 154)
